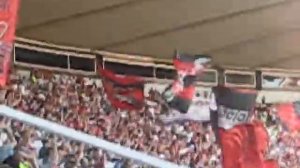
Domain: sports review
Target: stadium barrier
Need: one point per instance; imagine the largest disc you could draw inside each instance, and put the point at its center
(85, 138)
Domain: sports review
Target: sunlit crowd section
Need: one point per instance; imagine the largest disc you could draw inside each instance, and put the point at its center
(80, 103)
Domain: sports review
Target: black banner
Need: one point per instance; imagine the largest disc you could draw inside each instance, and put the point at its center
(234, 105)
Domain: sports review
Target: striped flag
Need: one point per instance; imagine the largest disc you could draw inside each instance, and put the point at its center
(181, 94)
(234, 105)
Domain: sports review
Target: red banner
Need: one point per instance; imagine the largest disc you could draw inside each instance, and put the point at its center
(8, 21)
(271, 164)
(124, 92)
(244, 145)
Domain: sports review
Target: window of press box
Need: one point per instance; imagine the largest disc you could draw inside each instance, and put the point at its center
(208, 76)
(283, 81)
(84, 64)
(240, 79)
(23, 55)
(127, 69)
(163, 73)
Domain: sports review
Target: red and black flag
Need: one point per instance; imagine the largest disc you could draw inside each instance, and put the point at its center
(234, 106)
(244, 145)
(271, 164)
(8, 24)
(254, 148)
(289, 114)
(190, 64)
(180, 94)
(124, 92)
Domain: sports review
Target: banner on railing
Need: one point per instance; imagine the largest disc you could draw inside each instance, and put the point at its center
(8, 20)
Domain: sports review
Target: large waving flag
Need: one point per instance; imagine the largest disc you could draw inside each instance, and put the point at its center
(256, 141)
(124, 92)
(188, 68)
(180, 96)
(243, 143)
(289, 114)
(234, 105)
(271, 164)
(190, 64)
(8, 22)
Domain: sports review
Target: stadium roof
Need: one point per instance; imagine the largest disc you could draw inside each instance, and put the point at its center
(251, 33)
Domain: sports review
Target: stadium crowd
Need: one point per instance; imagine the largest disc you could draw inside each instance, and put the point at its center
(80, 103)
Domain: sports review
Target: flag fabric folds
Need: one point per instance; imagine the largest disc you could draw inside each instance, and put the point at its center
(124, 92)
(289, 114)
(244, 145)
(271, 164)
(255, 145)
(190, 64)
(180, 94)
(8, 24)
(234, 106)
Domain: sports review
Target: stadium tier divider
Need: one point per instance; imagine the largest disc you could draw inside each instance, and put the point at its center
(42, 55)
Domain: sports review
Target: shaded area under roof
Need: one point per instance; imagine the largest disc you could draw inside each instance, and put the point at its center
(252, 33)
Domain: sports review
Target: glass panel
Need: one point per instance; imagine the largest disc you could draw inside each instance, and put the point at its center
(129, 69)
(270, 81)
(85, 64)
(41, 58)
(208, 76)
(240, 79)
(162, 73)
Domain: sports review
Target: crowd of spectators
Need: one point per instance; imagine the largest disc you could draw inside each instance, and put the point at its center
(80, 103)
(284, 145)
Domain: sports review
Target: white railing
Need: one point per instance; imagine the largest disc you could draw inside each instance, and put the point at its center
(85, 138)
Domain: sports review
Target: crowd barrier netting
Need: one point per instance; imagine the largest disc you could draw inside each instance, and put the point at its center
(85, 138)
